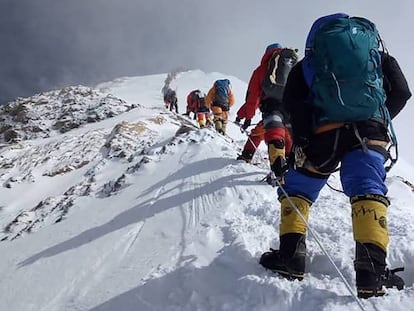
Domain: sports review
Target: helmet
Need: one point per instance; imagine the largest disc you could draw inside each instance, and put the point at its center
(273, 46)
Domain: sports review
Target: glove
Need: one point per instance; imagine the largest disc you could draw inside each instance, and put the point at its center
(279, 167)
(238, 120)
(246, 124)
(274, 181)
(297, 156)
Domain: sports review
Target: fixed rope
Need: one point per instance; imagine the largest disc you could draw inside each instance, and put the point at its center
(251, 141)
(315, 236)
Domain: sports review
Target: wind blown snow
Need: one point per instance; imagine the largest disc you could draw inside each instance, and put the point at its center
(138, 209)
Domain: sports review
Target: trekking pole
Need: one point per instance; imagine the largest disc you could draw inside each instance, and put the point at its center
(314, 235)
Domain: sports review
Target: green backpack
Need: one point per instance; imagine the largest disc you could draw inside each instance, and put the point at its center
(342, 67)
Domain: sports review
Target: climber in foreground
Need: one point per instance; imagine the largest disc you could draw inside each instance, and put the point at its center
(341, 98)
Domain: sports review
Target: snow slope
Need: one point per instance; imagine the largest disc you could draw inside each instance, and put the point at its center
(143, 211)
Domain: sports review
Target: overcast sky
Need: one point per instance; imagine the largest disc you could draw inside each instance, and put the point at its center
(46, 44)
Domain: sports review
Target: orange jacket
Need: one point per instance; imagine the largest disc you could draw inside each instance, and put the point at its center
(212, 94)
(254, 89)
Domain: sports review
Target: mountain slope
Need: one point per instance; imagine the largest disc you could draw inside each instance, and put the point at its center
(143, 211)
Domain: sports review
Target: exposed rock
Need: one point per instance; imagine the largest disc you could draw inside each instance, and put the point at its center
(56, 112)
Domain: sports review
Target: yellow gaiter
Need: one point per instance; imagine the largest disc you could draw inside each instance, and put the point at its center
(275, 152)
(290, 221)
(369, 220)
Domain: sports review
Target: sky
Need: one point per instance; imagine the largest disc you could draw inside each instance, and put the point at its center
(126, 214)
(49, 44)
(46, 44)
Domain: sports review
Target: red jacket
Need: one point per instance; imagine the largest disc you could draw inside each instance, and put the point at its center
(192, 103)
(254, 89)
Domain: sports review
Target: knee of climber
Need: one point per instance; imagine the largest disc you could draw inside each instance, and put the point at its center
(274, 134)
(369, 219)
(290, 220)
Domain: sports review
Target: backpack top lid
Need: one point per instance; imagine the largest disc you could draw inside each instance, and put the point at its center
(222, 86)
(222, 82)
(273, 46)
(318, 24)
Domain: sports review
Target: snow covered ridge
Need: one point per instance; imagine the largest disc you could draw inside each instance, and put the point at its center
(58, 111)
(128, 147)
(143, 211)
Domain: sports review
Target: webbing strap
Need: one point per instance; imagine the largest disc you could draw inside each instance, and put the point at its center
(363, 141)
